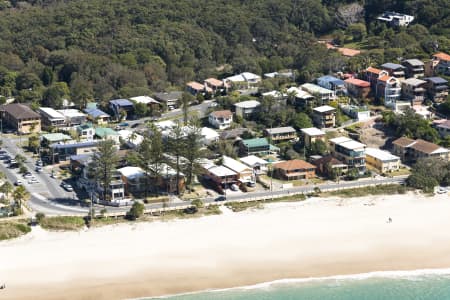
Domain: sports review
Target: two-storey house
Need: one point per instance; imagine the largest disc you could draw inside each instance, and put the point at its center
(221, 119)
(350, 152)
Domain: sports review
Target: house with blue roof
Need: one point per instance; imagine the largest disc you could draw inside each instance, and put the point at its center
(97, 116)
(332, 83)
(119, 105)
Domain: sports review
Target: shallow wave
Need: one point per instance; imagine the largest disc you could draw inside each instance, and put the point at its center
(407, 275)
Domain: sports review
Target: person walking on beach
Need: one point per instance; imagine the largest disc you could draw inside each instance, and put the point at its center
(389, 220)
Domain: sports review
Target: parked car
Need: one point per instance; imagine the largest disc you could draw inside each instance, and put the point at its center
(66, 186)
(39, 163)
(251, 184)
(234, 187)
(27, 175)
(33, 180)
(18, 182)
(441, 190)
(135, 125)
(220, 198)
(213, 104)
(38, 169)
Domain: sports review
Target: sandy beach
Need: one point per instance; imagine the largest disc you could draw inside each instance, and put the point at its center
(317, 237)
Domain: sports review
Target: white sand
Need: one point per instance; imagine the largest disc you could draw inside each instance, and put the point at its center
(318, 237)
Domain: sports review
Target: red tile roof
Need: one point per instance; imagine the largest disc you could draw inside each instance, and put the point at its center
(358, 82)
(442, 56)
(424, 146)
(384, 78)
(214, 82)
(373, 70)
(295, 164)
(222, 113)
(195, 85)
(403, 142)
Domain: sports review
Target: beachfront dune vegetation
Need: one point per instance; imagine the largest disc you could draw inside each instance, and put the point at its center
(63, 223)
(11, 230)
(427, 173)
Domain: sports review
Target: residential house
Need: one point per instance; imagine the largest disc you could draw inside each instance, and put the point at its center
(232, 134)
(208, 136)
(390, 89)
(151, 103)
(442, 63)
(437, 89)
(302, 98)
(118, 106)
(281, 74)
(350, 152)
(357, 88)
(257, 146)
(221, 119)
(395, 19)
(258, 165)
(444, 128)
(106, 133)
(245, 79)
(244, 172)
(324, 116)
(215, 85)
(52, 138)
(277, 95)
(21, 118)
(245, 108)
(294, 170)
(360, 113)
(220, 175)
(311, 135)
(134, 179)
(411, 150)
(170, 99)
(382, 160)
(414, 68)
(115, 192)
(73, 116)
(51, 117)
(328, 164)
(86, 131)
(195, 88)
(130, 138)
(394, 70)
(332, 83)
(97, 116)
(372, 74)
(413, 89)
(322, 94)
(62, 152)
(280, 134)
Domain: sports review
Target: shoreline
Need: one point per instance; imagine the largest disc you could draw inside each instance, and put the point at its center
(292, 241)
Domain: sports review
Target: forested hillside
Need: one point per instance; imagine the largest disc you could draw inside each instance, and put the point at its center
(109, 48)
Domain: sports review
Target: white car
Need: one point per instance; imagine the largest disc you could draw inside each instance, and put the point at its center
(33, 180)
(234, 187)
(213, 104)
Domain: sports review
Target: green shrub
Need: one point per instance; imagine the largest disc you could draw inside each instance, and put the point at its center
(10, 230)
(63, 223)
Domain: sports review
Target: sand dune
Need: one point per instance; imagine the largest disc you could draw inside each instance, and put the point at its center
(318, 237)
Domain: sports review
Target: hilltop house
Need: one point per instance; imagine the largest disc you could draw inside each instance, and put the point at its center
(357, 88)
(444, 128)
(215, 85)
(151, 103)
(414, 90)
(294, 170)
(311, 135)
(349, 151)
(170, 99)
(246, 108)
(414, 68)
(394, 70)
(332, 83)
(97, 116)
(195, 88)
(21, 118)
(324, 116)
(372, 74)
(322, 94)
(86, 131)
(280, 134)
(442, 63)
(245, 79)
(73, 116)
(221, 119)
(411, 150)
(359, 113)
(389, 88)
(302, 98)
(437, 89)
(395, 19)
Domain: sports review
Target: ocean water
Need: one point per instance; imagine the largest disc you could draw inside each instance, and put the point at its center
(418, 285)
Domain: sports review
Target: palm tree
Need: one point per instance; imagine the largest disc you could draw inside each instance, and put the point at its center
(6, 188)
(20, 194)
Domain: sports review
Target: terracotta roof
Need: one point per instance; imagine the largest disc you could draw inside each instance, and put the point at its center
(294, 164)
(384, 78)
(20, 111)
(222, 113)
(358, 82)
(195, 85)
(424, 146)
(442, 56)
(214, 82)
(373, 70)
(403, 141)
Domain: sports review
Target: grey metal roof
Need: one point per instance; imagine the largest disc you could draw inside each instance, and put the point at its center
(392, 66)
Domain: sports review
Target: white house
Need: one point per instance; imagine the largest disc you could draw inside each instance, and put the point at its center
(245, 173)
(130, 138)
(246, 108)
(258, 165)
(221, 119)
(245, 77)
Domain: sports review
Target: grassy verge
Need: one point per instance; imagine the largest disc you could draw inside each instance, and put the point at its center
(241, 206)
(12, 230)
(391, 189)
(63, 223)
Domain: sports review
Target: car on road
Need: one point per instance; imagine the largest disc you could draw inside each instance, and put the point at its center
(18, 182)
(38, 169)
(251, 184)
(27, 175)
(234, 187)
(8, 131)
(441, 190)
(66, 186)
(33, 180)
(220, 198)
(213, 104)
(135, 125)
(39, 163)
(3, 152)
